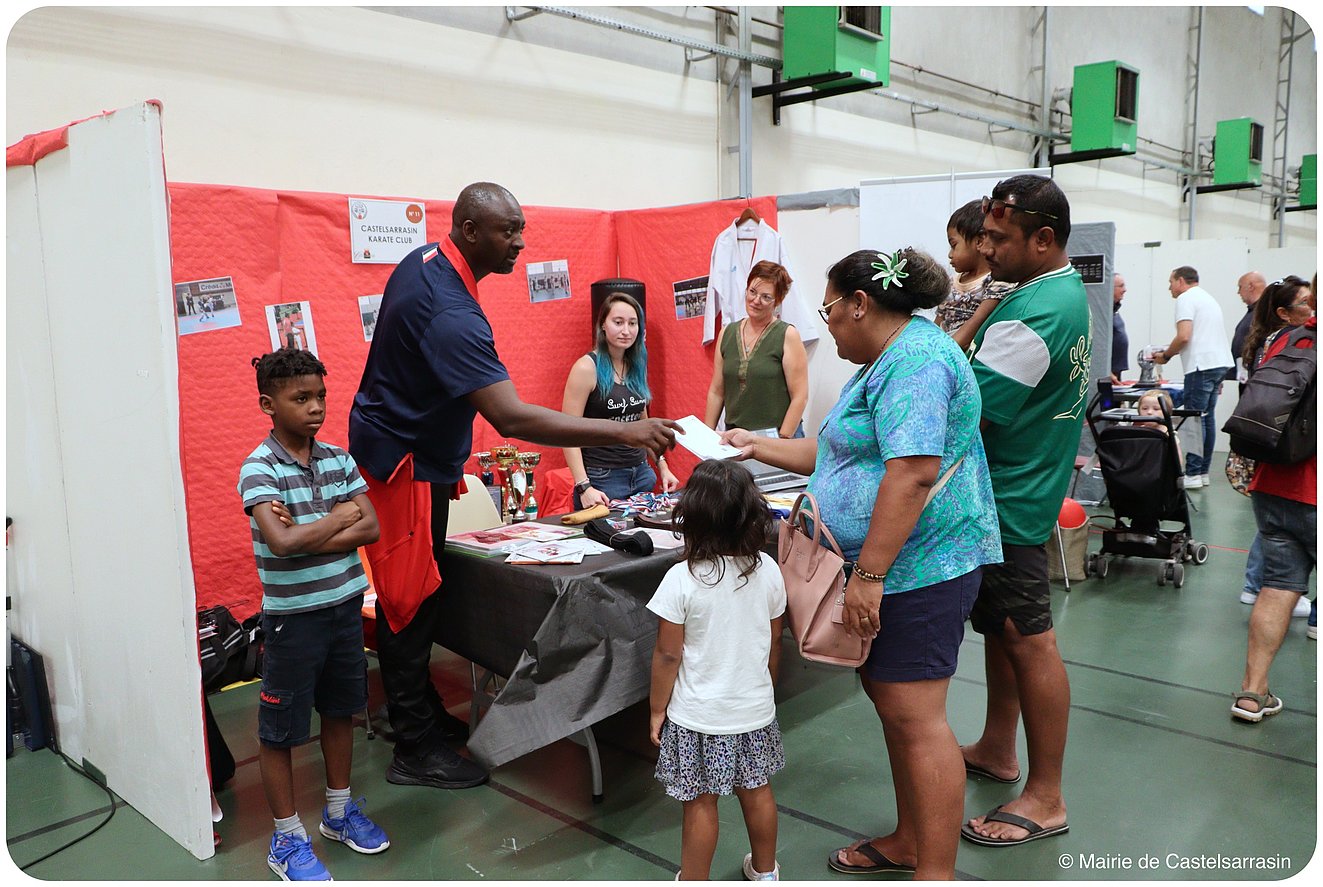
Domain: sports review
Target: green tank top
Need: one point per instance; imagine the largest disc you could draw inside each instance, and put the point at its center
(756, 392)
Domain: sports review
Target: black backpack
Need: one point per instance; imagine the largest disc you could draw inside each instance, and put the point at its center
(1275, 420)
(229, 651)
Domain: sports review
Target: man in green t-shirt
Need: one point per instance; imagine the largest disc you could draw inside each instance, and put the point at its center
(1031, 360)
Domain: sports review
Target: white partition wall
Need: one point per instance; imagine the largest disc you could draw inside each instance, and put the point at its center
(1148, 309)
(103, 582)
(914, 211)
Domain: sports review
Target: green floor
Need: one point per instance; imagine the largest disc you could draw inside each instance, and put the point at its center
(1155, 767)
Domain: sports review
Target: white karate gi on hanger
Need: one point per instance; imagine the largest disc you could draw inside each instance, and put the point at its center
(728, 277)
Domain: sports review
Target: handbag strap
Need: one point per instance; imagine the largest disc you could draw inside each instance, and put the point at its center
(820, 527)
(941, 482)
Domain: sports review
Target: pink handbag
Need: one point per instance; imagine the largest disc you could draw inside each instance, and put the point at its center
(815, 589)
(815, 584)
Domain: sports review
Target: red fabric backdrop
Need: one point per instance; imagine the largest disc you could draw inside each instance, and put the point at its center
(283, 246)
(659, 247)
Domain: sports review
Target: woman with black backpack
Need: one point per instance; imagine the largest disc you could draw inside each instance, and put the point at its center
(1285, 505)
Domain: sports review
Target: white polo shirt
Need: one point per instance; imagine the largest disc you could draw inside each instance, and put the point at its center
(1208, 348)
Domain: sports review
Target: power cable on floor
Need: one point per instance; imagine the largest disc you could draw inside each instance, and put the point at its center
(79, 770)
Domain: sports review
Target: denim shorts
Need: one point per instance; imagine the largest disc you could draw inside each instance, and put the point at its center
(312, 659)
(620, 483)
(1016, 589)
(922, 630)
(1288, 538)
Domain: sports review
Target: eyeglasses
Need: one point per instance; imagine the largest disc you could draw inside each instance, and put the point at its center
(826, 309)
(761, 298)
(997, 208)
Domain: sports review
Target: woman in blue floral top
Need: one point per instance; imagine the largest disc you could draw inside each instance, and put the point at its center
(905, 422)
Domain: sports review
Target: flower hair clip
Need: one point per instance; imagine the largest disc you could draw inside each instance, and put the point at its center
(890, 270)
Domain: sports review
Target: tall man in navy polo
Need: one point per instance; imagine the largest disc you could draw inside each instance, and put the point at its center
(431, 368)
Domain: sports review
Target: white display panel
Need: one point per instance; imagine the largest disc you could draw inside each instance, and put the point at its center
(104, 584)
(914, 211)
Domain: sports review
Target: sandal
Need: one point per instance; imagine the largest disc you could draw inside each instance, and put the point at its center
(1268, 705)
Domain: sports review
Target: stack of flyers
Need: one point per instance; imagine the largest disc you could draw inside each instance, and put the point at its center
(505, 539)
(547, 553)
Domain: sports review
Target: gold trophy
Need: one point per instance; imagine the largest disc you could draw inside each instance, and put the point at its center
(506, 456)
(485, 463)
(529, 462)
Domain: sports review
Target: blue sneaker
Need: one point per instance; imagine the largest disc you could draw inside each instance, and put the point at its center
(292, 858)
(355, 830)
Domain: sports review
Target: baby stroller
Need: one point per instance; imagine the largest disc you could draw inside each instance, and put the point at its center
(1141, 469)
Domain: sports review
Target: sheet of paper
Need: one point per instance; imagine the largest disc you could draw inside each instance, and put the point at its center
(702, 441)
(547, 553)
(663, 538)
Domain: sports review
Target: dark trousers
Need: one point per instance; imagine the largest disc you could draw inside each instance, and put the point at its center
(412, 702)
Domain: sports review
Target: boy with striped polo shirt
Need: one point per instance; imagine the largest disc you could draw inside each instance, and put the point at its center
(309, 513)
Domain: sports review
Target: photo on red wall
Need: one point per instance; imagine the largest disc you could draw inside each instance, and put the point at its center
(690, 297)
(368, 306)
(290, 326)
(204, 305)
(548, 281)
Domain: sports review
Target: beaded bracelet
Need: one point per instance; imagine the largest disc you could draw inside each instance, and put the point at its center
(867, 576)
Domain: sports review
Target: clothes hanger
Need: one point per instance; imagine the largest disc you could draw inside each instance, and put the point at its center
(747, 216)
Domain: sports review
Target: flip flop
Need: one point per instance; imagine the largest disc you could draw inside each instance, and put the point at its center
(996, 814)
(976, 770)
(880, 863)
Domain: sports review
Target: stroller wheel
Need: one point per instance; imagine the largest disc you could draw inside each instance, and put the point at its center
(1200, 553)
(1177, 575)
(1101, 567)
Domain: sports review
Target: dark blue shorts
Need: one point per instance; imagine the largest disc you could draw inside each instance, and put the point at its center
(310, 659)
(921, 631)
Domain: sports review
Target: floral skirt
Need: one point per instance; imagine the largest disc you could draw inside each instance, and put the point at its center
(693, 764)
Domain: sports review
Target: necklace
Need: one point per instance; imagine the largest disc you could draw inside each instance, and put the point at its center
(887, 340)
(617, 372)
(742, 372)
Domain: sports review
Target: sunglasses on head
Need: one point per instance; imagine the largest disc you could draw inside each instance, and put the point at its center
(998, 208)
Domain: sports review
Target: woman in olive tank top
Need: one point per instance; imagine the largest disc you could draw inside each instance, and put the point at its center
(611, 382)
(760, 372)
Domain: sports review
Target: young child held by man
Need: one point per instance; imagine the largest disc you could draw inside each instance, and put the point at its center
(309, 513)
(718, 648)
(973, 291)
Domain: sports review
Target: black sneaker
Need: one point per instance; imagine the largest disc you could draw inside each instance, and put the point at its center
(440, 767)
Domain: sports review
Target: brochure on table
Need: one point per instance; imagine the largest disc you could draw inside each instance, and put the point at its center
(508, 537)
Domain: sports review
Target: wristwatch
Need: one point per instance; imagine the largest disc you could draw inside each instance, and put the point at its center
(582, 486)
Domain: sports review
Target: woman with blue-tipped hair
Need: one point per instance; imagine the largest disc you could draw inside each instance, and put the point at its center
(611, 382)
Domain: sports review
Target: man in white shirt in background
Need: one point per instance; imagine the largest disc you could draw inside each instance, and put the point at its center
(1201, 342)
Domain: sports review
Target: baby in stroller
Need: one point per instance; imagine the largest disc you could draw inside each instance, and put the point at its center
(1150, 405)
(1141, 467)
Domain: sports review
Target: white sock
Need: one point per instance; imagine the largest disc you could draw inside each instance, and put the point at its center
(291, 825)
(336, 799)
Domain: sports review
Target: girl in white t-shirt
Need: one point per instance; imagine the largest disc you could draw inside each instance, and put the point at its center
(718, 647)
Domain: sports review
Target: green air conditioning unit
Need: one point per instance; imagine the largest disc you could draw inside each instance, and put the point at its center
(1309, 181)
(1237, 152)
(1104, 108)
(853, 41)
